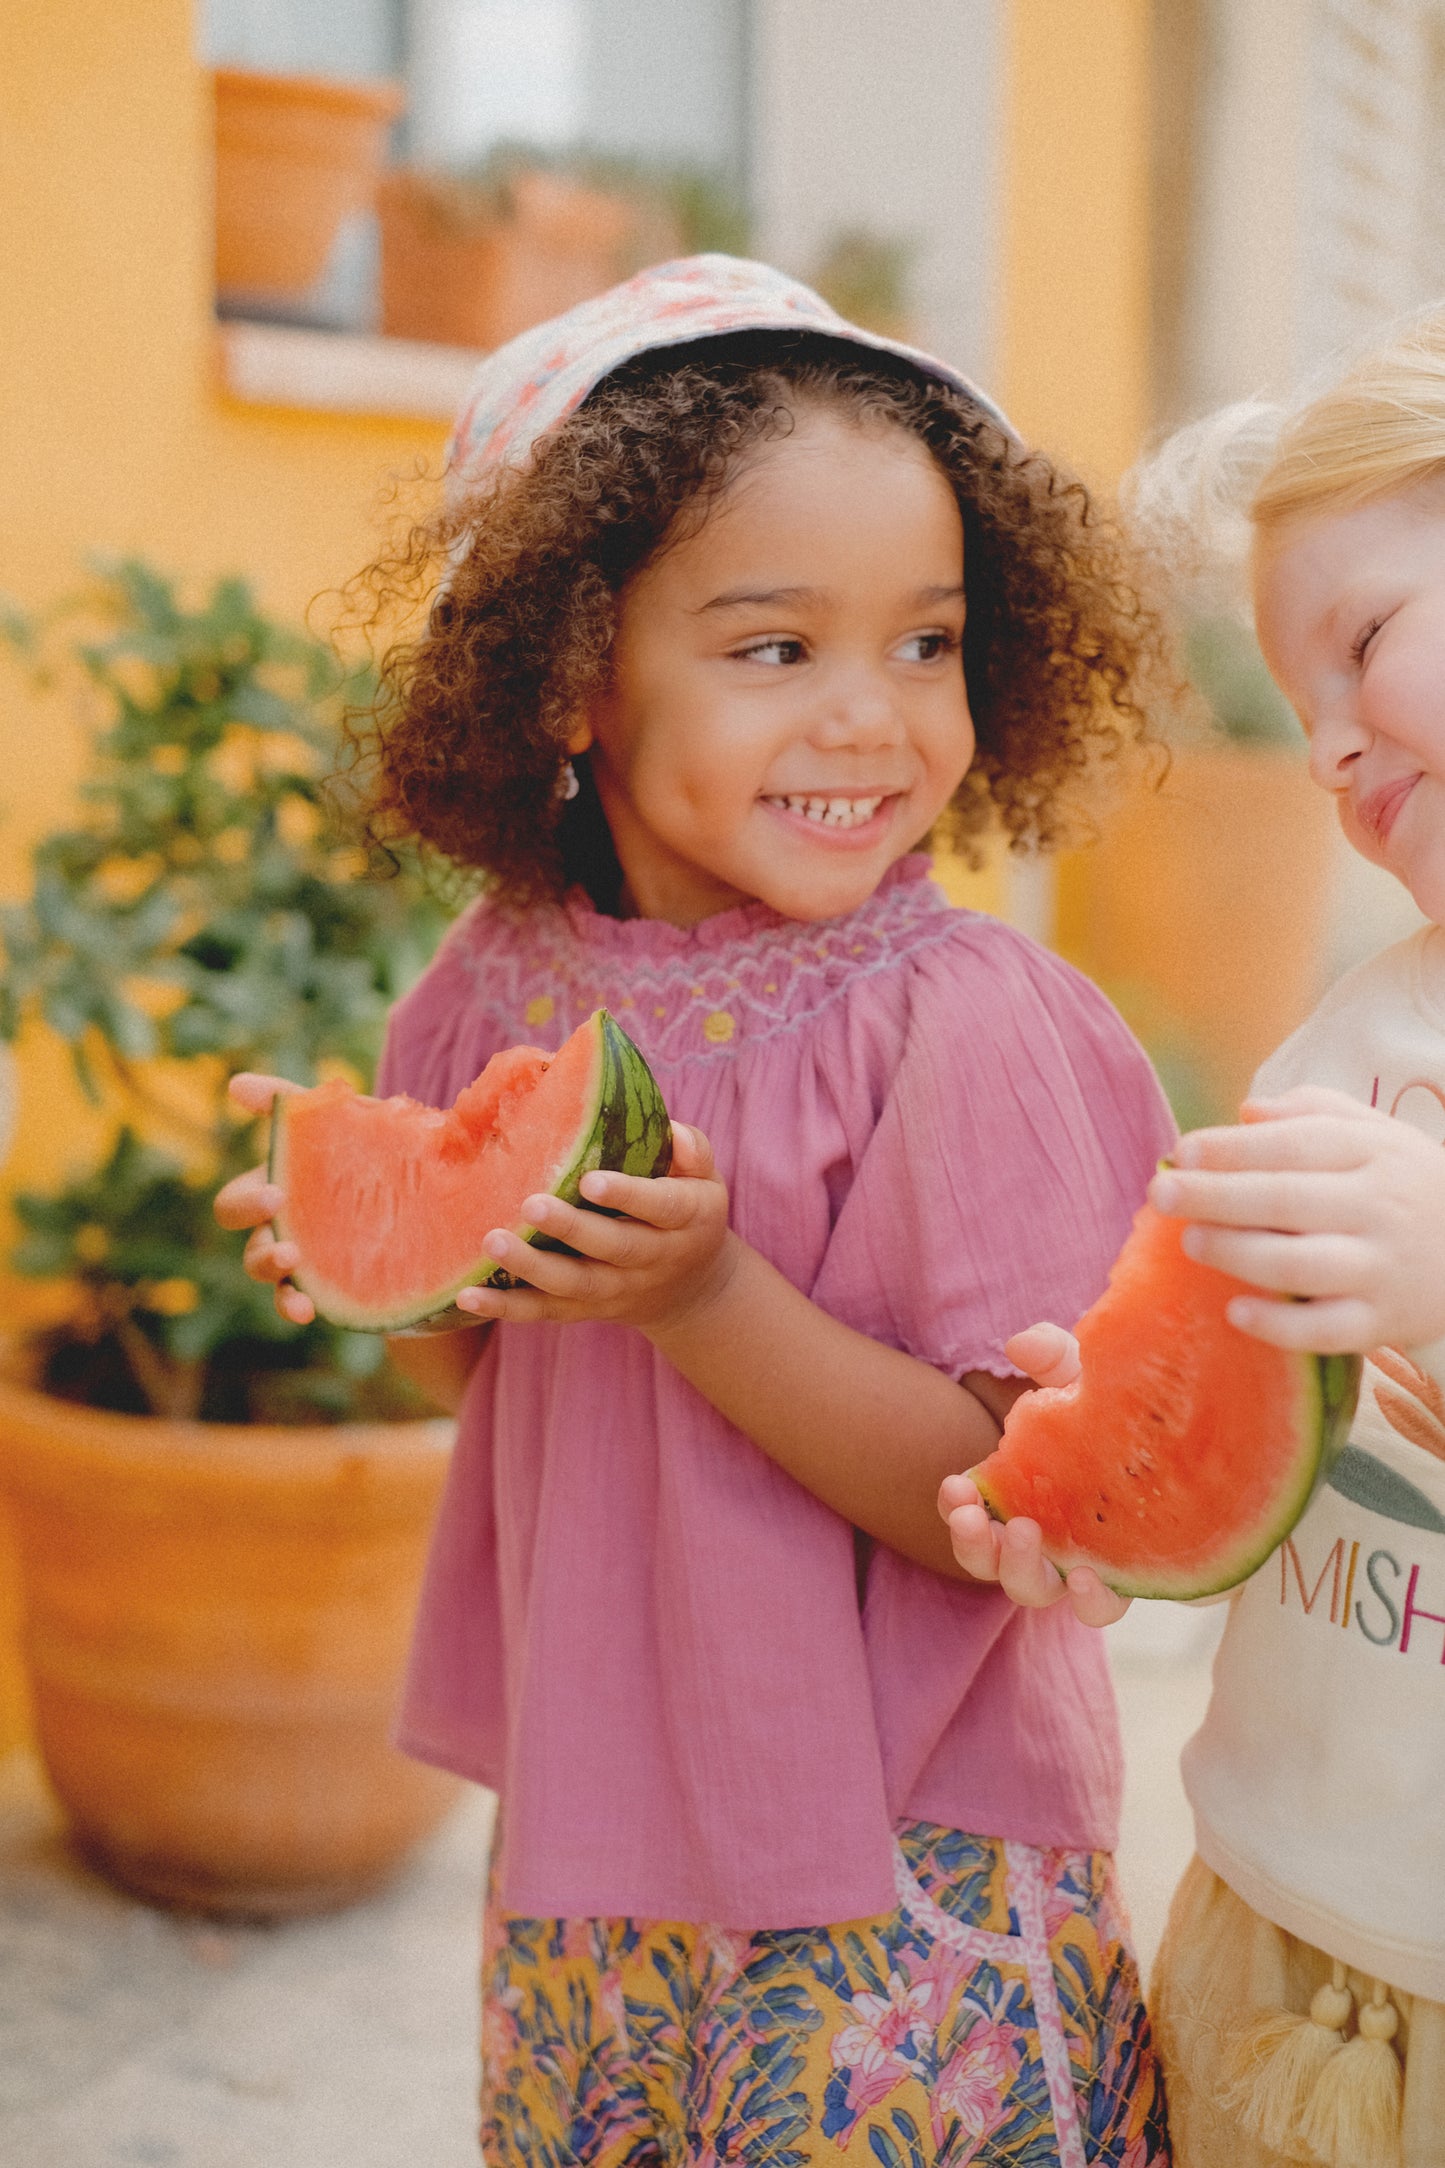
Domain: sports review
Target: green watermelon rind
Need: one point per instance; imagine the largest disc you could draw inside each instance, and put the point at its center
(627, 1131)
(1335, 1385)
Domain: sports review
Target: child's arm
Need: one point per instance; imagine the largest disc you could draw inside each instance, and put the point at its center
(870, 1431)
(1318, 1198)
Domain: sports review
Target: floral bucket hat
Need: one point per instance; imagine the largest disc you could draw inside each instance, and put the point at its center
(532, 384)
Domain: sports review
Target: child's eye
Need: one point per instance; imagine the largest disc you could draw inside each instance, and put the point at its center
(928, 646)
(774, 652)
(1360, 645)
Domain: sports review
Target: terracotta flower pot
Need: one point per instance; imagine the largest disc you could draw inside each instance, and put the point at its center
(295, 155)
(216, 1620)
(1209, 896)
(463, 272)
(16, 1729)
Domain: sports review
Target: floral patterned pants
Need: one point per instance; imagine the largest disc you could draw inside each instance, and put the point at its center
(994, 2017)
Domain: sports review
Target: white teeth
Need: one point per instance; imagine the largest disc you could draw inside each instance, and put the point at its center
(833, 812)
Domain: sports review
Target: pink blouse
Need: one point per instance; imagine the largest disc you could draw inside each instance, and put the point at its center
(635, 1626)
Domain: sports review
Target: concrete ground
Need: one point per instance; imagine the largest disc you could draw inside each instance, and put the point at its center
(133, 2039)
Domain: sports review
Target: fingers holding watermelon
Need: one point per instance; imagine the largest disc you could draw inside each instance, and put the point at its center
(1330, 1203)
(1012, 1554)
(257, 1094)
(654, 1247)
(1046, 1353)
(374, 1213)
(267, 1259)
(248, 1201)
(253, 1200)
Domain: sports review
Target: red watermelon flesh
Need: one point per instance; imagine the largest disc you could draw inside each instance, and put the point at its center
(1185, 1451)
(390, 1201)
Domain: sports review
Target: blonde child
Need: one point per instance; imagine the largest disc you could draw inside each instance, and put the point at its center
(1300, 1991)
(804, 1840)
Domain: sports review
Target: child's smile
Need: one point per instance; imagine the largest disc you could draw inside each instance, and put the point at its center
(787, 714)
(1351, 613)
(834, 813)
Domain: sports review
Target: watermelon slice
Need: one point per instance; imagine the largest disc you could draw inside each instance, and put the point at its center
(389, 1201)
(1184, 1451)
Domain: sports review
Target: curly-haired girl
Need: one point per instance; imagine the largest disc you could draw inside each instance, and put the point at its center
(804, 1838)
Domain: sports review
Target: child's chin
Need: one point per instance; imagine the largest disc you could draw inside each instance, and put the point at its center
(1427, 891)
(845, 889)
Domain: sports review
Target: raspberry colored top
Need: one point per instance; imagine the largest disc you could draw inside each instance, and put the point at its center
(644, 1634)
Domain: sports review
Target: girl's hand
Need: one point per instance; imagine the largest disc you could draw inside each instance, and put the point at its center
(1011, 1552)
(1320, 1198)
(653, 1267)
(253, 1200)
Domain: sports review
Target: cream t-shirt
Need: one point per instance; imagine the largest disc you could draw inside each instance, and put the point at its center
(1318, 1776)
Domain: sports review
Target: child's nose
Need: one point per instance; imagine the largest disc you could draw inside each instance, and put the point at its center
(861, 711)
(1337, 740)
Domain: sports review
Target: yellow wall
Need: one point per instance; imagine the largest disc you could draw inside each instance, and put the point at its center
(123, 440)
(1075, 330)
(1074, 345)
(119, 435)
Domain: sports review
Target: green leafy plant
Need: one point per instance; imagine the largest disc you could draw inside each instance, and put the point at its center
(1180, 1060)
(1223, 662)
(865, 276)
(204, 915)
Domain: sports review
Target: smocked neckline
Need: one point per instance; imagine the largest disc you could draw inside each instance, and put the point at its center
(739, 925)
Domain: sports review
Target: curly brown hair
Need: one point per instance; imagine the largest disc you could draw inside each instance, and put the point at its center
(465, 745)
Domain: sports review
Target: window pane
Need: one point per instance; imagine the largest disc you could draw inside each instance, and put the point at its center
(483, 72)
(318, 37)
(667, 79)
(660, 80)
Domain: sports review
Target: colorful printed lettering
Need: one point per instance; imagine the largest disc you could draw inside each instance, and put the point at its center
(1414, 1611)
(1372, 1563)
(1335, 1560)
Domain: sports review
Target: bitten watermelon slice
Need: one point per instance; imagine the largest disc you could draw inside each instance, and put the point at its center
(389, 1201)
(1185, 1451)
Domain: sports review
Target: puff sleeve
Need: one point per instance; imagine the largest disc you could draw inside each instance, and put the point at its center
(1014, 1142)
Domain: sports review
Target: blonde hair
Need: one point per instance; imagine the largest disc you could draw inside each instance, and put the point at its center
(1378, 428)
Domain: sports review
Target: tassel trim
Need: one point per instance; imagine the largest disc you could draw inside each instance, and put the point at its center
(1353, 2116)
(1276, 2063)
(1304, 2091)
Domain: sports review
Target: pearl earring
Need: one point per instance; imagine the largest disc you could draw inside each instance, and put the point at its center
(567, 783)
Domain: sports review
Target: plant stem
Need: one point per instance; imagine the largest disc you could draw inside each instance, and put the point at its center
(172, 1389)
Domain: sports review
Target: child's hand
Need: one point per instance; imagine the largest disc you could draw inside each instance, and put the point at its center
(253, 1200)
(650, 1268)
(1318, 1197)
(1011, 1552)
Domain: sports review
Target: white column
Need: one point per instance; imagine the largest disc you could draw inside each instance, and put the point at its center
(884, 114)
(1248, 286)
(667, 80)
(1320, 149)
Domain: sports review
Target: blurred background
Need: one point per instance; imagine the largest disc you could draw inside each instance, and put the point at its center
(251, 248)
(252, 251)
